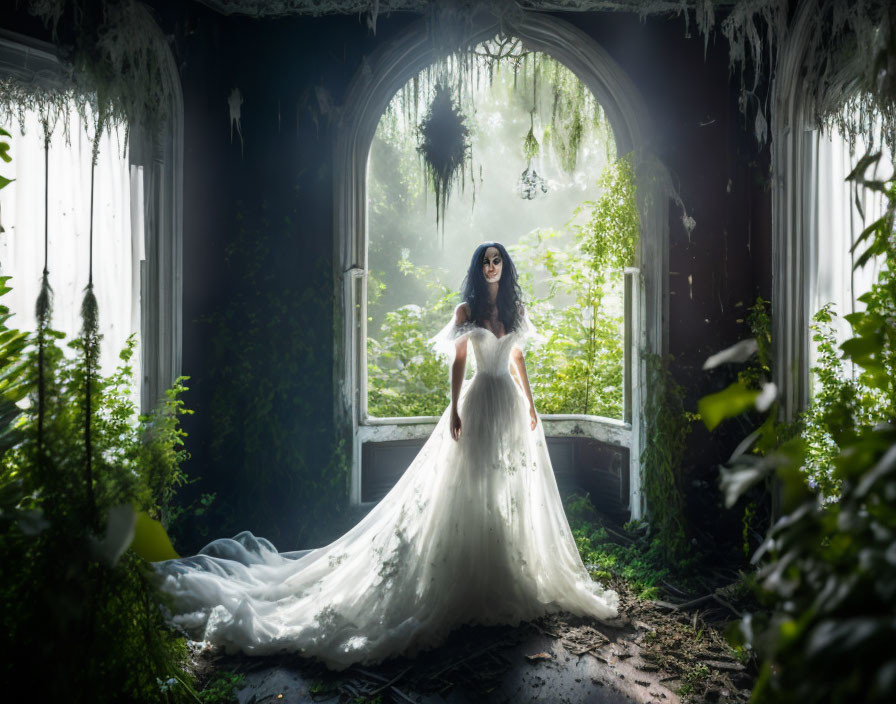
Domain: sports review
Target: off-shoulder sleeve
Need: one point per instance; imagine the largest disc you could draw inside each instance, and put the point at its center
(443, 343)
(526, 332)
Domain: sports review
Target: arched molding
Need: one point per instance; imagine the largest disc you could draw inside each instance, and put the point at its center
(160, 153)
(795, 120)
(379, 79)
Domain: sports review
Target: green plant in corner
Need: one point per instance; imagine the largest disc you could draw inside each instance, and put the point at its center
(668, 426)
(825, 571)
(75, 596)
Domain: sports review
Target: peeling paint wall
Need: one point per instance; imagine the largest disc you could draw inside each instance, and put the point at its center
(291, 75)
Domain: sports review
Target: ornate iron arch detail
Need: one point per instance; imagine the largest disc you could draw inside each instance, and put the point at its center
(371, 89)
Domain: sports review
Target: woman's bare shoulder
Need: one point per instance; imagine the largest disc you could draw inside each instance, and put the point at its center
(462, 313)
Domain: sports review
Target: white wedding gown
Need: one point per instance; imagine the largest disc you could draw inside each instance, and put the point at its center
(473, 532)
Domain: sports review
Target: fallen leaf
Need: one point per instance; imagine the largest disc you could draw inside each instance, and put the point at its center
(539, 656)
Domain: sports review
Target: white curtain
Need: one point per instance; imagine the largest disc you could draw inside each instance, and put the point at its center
(838, 225)
(117, 232)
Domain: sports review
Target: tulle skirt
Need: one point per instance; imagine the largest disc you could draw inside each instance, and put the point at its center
(473, 532)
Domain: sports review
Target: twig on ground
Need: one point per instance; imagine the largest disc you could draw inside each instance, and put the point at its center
(685, 605)
(727, 605)
(675, 589)
(390, 682)
(628, 541)
(402, 695)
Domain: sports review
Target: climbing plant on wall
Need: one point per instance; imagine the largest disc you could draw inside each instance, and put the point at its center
(276, 466)
(668, 426)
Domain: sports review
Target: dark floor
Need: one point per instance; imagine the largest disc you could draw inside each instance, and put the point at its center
(558, 659)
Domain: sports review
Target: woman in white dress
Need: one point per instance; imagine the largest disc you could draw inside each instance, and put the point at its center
(473, 532)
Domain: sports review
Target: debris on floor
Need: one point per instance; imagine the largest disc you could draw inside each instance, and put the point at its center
(655, 652)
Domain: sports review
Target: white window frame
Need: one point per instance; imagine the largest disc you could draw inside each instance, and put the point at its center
(794, 132)
(373, 87)
(161, 178)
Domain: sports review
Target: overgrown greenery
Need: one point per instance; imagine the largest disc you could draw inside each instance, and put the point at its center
(577, 364)
(636, 555)
(827, 573)
(668, 426)
(77, 603)
(73, 595)
(843, 404)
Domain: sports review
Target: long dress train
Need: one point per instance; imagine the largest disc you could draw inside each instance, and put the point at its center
(473, 532)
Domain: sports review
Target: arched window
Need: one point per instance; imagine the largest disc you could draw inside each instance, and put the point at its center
(137, 220)
(842, 210)
(397, 438)
(815, 219)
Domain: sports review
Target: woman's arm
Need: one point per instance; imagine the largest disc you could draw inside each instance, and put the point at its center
(458, 369)
(523, 380)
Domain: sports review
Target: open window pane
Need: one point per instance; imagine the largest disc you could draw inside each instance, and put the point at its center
(415, 268)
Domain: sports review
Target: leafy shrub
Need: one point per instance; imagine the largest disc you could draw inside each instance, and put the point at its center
(827, 569)
(82, 613)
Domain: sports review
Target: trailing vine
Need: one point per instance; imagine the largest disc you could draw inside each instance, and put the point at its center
(566, 109)
(271, 445)
(668, 426)
(83, 600)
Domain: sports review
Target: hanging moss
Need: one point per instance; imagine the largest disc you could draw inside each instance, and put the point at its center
(444, 146)
(531, 147)
(444, 133)
(116, 62)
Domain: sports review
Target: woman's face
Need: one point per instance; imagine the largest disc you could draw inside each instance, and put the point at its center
(491, 265)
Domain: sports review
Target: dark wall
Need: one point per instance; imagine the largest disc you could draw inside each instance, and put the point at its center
(258, 248)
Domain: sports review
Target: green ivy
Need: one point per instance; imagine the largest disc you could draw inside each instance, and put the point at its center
(668, 426)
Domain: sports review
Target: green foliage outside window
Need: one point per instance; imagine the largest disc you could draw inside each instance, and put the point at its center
(841, 406)
(576, 365)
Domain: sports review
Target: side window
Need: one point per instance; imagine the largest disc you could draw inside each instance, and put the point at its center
(842, 210)
(117, 229)
(137, 214)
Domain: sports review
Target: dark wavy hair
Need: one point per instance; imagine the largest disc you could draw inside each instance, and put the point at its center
(475, 289)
